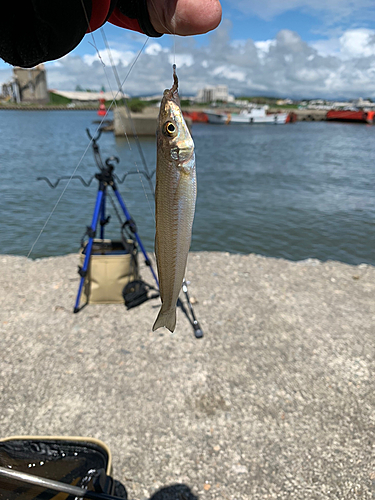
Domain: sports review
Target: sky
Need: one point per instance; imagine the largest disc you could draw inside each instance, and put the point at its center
(288, 48)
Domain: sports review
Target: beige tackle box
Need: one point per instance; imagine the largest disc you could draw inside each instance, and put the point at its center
(112, 266)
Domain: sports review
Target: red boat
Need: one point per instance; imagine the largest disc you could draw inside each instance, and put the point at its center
(351, 115)
(196, 116)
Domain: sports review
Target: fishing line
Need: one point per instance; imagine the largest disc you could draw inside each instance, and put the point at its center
(124, 100)
(168, 30)
(174, 45)
(89, 144)
(115, 72)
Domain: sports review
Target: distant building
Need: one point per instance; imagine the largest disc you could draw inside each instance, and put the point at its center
(242, 102)
(363, 104)
(355, 104)
(83, 97)
(317, 102)
(27, 85)
(283, 102)
(155, 97)
(10, 91)
(213, 94)
(32, 84)
(341, 104)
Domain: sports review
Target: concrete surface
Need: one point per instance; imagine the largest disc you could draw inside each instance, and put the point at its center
(310, 115)
(305, 115)
(145, 123)
(275, 402)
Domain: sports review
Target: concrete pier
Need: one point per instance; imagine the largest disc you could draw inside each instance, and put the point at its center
(275, 402)
(304, 115)
(145, 123)
(310, 115)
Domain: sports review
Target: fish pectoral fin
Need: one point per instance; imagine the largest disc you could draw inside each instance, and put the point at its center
(167, 319)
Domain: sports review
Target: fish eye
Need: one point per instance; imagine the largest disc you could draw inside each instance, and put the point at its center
(170, 128)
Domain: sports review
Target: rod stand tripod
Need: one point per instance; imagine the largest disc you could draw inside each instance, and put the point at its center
(106, 179)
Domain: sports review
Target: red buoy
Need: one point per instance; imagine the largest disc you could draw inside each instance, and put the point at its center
(102, 111)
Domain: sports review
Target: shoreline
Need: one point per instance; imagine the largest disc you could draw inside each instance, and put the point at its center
(51, 107)
(308, 261)
(275, 399)
(301, 114)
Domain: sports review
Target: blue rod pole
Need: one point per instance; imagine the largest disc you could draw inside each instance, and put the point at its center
(127, 215)
(89, 247)
(102, 217)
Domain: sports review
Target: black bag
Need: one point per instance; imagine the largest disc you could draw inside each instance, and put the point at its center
(136, 292)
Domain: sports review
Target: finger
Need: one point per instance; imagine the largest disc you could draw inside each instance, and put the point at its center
(184, 17)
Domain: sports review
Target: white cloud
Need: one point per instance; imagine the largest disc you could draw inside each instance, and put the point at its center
(357, 43)
(330, 47)
(230, 73)
(153, 49)
(352, 44)
(264, 46)
(286, 66)
(181, 60)
(118, 57)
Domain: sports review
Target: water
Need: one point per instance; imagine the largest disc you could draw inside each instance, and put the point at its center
(294, 191)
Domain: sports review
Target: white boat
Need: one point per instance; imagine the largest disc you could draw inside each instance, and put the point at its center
(216, 118)
(254, 115)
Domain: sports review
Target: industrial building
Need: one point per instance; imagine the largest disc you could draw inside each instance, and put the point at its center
(27, 86)
(213, 94)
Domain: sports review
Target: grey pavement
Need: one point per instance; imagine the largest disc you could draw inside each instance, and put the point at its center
(275, 402)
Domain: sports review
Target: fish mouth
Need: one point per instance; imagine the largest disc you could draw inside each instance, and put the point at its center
(172, 93)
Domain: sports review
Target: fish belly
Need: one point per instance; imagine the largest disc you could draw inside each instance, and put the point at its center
(175, 195)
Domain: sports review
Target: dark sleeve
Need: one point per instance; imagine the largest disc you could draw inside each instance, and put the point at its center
(36, 31)
(133, 14)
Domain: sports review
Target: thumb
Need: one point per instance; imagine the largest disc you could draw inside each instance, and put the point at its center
(184, 17)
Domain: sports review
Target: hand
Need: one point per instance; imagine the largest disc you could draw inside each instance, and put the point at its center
(184, 17)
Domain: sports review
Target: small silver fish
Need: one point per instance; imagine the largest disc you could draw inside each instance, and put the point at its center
(175, 195)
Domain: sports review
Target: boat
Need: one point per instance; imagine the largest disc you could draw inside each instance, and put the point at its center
(351, 115)
(258, 115)
(253, 115)
(196, 116)
(216, 118)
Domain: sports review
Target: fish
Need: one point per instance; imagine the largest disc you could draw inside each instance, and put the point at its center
(175, 197)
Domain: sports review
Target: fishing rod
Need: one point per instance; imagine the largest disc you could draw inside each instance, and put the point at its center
(106, 179)
(53, 485)
(100, 165)
(124, 101)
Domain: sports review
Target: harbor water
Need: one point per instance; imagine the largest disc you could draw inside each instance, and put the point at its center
(298, 191)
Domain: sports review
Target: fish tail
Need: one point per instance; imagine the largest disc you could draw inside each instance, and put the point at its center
(166, 318)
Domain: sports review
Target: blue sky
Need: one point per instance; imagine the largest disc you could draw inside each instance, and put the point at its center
(290, 48)
(257, 28)
(310, 23)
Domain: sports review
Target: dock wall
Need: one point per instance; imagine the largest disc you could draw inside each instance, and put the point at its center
(310, 115)
(145, 123)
